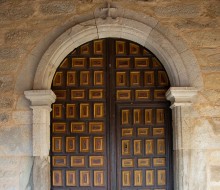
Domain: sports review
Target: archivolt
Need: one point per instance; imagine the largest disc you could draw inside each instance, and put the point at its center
(172, 51)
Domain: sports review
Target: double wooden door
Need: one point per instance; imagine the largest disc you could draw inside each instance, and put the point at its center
(110, 124)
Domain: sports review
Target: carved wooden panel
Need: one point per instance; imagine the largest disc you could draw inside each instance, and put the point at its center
(110, 124)
(142, 119)
(78, 120)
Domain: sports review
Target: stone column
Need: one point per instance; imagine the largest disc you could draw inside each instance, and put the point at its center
(41, 101)
(181, 101)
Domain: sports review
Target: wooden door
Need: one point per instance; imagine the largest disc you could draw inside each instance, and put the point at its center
(110, 124)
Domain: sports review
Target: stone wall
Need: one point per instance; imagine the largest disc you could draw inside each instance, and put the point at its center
(28, 27)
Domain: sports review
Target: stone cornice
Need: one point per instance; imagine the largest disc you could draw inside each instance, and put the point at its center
(180, 96)
(40, 97)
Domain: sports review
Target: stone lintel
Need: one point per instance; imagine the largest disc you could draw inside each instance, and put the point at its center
(40, 97)
(181, 96)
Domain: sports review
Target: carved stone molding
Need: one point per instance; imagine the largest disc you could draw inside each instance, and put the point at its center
(40, 97)
(181, 96)
(41, 101)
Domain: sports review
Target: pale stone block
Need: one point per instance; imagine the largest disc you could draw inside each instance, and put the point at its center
(22, 117)
(22, 103)
(25, 173)
(177, 41)
(41, 173)
(181, 96)
(202, 136)
(194, 72)
(16, 140)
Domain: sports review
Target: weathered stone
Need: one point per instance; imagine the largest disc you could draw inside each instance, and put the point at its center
(214, 9)
(22, 103)
(211, 96)
(8, 66)
(8, 53)
(57, 7)
(212, 80)
(22, 117)
(215, 173)
(19, 142)
(205, 38)
(216, 125)
(16, 13)
(26, 175)
(6, 83)
(21, 36)
(178, 10)
(200, 24)
(4, 117)
(209, 110)
(6, 102)
(41, 170)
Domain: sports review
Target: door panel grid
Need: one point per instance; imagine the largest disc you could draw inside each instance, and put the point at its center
(110, 124)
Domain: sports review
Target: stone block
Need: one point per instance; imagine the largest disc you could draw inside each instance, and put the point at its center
(215, 173)
(178, 10)
(212, 80)
(204, 38)
(22, 103)
(197, 24)
(210, 56)
(16, 140)
(6, 83)
(26, 172)
(22, 36)
(202, 136)
(216, 125)
(8, 53)
(22, 117)
(22, 11)
(4, 117)
(8, 66)
(178, 43)
(6, 102)
(57, 7)
(41, 173)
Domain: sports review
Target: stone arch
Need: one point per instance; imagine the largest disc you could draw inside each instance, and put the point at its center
(172, 51)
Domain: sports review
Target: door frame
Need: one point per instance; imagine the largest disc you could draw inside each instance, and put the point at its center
(177, 58)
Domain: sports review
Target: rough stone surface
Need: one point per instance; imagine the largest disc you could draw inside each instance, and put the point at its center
(4, 117)
(6, 102)
(178, 10)
(185, 31)
(6, 83)
(19, 141)
(57, 7)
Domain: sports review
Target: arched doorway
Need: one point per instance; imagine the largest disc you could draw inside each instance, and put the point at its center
(110, 125)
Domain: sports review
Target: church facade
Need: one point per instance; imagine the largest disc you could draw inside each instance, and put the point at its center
(110, 95)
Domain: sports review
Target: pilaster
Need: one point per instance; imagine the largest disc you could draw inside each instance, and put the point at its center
(41, 101)
(181, 99)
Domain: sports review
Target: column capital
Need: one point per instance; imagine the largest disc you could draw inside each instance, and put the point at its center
(40, 97)
(180, 96)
